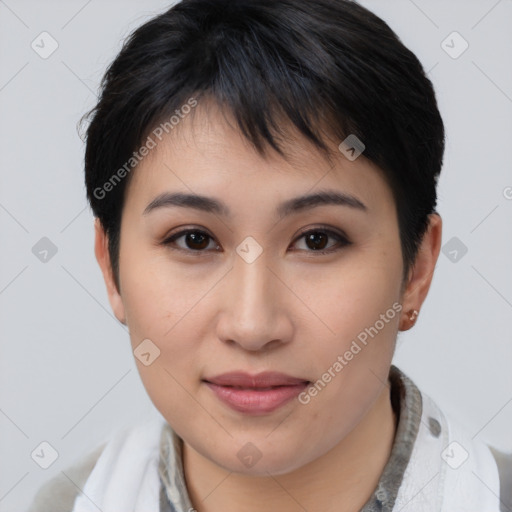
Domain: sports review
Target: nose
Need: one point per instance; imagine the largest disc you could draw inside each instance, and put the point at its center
(254, 311)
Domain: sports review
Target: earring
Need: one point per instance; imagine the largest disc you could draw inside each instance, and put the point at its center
(413, 314)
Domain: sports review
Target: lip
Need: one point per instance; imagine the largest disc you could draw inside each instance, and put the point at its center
(259, 380)
(255, 394)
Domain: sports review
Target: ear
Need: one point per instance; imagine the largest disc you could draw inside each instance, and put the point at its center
(103, 258)
(420, 276)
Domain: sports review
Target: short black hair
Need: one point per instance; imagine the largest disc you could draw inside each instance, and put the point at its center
(318, 64)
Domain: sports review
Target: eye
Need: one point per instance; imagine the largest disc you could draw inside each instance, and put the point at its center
(316, 240)
(195, 240)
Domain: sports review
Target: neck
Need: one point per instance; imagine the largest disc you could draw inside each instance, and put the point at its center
(341, 480)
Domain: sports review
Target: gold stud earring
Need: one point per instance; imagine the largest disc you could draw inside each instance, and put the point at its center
(413, 315)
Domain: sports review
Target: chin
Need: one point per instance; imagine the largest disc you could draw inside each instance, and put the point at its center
(253, 461)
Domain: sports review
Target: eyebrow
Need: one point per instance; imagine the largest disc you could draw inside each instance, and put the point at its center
(288, 207)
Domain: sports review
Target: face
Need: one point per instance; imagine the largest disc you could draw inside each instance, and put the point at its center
(254, 287)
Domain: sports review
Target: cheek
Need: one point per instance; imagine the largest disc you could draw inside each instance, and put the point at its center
(160, 304)
(355, 326)
(352, 295)
(157, 293)
(159, 307)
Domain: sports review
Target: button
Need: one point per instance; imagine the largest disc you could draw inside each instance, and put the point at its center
(434, 426)
(381, 494)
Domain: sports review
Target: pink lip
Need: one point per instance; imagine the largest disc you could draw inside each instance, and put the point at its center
(255, 394)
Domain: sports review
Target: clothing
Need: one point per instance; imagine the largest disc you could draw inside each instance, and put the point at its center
(434, 466)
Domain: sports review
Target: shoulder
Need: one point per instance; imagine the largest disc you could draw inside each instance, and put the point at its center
(126, 460)
(58, 494)
(464, 472)
(473, 473)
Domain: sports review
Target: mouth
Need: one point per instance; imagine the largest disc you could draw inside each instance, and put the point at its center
(256, 400)
(256, 388)
(261, 380)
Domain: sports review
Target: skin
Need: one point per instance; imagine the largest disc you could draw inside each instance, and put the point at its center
(291, 310)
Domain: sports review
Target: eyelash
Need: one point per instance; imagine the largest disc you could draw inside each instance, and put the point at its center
(342, 239)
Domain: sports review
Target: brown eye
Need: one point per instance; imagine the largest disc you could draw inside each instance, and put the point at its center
(317, 240)
(193, 239)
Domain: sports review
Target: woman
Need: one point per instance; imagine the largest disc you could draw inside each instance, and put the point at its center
(263, 176)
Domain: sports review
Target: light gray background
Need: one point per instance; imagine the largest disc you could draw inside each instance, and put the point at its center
(67, 375)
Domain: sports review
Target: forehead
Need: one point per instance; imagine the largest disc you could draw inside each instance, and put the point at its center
(206, 154)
